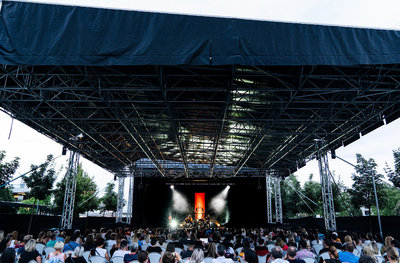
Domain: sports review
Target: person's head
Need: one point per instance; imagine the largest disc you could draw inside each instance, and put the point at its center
(349, 247)
(334, 236)
(153, 241)
(78, 251)
(221, 250)
(53, 236)
(124, 244)
(59, 245)
(168, 257)
(8, 256)
(303, 244)
(388, 241)
(366, 259)
(370, 236)
(30, 245)
(170, 247)
(375, 247)
(250, 256)
(100, 242)
(212, 250)
(392, 254)
(134, 247)
(75, 236)
(368, 251)
(15, 234)
(197, 256)
(276, 252)
(191, 243)
(26, 238)
(143, 257)
(333, 252)
(1, 235)
(348, 238)
(260, 242)
(291, 252)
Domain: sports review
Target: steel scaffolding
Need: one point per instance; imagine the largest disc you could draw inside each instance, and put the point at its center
(120, 198)
(70, 188)
(130, 197)
(278, 200)
(326, 187)
(269, 197)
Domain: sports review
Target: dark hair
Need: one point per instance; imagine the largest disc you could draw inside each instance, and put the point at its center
(303, 244)
(260, 241)
(153, 241)
(142, 256)
(366, 259)
(221, 250)
(123, 243)
(191, 242)
(169, 257)
(8, 256)
(134, 247)
(333, 251)
(170, 247)
(291, 251)
(276, 252)
(349, 247)
(100, 241)
(250, 256)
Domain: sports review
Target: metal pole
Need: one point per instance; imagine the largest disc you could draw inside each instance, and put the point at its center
(120, 198)
(377, 206)
(269, 197)
(278, 200)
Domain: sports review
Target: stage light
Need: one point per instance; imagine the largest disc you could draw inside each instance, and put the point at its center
(229, 187)
(173, 223)
(172, 187)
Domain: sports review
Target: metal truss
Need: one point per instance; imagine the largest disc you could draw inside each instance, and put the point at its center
(326, 186)
(278, 200)
(207, 121)
(70, 188)
(268, 189)
(130, 198)
(120, 199)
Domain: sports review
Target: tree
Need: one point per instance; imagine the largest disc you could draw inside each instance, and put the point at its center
(362, 192)
(312, 190)
(109, 200)
(7, 170)
(85, 194)
(394, 175)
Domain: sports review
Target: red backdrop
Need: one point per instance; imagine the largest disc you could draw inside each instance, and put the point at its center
(199, 205)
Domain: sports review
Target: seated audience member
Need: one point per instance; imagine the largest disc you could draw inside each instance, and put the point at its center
(188, 253)
(291, 255)
(89, 243)
(100, 250)
(291, 242)
(170, 257)
(211, 251)
(369, 251)
(143, 257)
(261, 250)
(388, 241)
(303, 251)
(249, 256)
(348, 256)
(77, 256)
(366, 259)
(23, 243)
(197, 256)
(392, 255)
(58, 246)
(176, 242)
(52, 240)
(326, 243)
(30, 253)
(276, 255)
(8, 256)
(336, 241)
(123, 249)
(279, 242)
(333, 254)
(133, 254)
(71, 245)
(370, 238)
(59, 236)
(221, 255)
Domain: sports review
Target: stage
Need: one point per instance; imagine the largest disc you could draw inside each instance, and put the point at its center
(236, 201)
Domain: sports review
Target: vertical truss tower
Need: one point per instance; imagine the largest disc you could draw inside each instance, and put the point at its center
(278, 200)
(70, 188)
(269, 197)
(326, 186)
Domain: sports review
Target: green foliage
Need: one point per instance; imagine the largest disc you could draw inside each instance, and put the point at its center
(85, 188)
(6, 194)
(27, 210)
(8, 169)
(290, 200)
(41, 180)
(109, 200)
(362, 192)
(394, 175)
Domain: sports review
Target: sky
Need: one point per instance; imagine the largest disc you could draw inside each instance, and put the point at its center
(33, 147)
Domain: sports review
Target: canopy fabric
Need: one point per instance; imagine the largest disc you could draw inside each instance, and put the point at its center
(46, 34)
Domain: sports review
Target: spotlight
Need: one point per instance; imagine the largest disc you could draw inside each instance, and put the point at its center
(172, 187)
(173, 223)
(229, 187)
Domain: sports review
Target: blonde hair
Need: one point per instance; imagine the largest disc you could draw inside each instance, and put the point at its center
(58, 245)
(348, 238)
(392, 254)
(369, 251)
(197, 256)
(30, 245)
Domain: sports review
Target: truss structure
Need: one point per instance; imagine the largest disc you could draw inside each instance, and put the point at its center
(278, 200)
(120, 199)
(269, 197)
(70, 187)
(326, 187)
(130, 198)
(202, 121)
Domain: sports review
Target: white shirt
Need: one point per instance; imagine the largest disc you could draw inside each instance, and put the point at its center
(100, 252)
(222, 260)
(120, 253)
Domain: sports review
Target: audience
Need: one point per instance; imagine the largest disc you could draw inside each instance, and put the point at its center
(58, 246)
(333, 254)
(291, 255)
(276, 255)
(30, 253)
(347, 255)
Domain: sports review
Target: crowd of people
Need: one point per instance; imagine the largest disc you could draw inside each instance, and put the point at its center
(205, 245)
